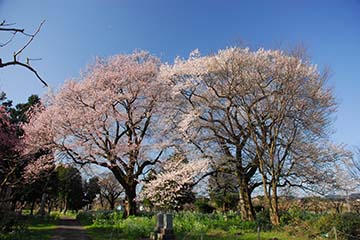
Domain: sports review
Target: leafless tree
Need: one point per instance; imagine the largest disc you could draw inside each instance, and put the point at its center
(110, 189)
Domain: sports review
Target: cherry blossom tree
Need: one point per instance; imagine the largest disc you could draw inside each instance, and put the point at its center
(212, 90)
(113, 117)
(263, 110)
(290, 113)
(40, 158)
(174, 182)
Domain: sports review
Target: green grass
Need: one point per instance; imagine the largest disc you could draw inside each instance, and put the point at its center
(107, 233)
(32, 228)
(188, 226)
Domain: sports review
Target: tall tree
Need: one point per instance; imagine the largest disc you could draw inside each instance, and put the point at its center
(113, 117)
(290, 115)
(70, 187)
(9, 142)
(212, 92)
(91, 190)
(20, 171)
(267, 112)
(12, 161)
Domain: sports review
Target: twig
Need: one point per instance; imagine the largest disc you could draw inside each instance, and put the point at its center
(16, 54)
(23, 65)
(30, 40)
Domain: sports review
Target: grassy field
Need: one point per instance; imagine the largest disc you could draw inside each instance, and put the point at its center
(187, 226)
(103, 225)
(106, 233)
(31, 228)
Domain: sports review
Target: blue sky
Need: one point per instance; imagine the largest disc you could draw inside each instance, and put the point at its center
(76, 31)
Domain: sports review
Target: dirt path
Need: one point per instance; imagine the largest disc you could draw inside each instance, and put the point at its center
(69, 229)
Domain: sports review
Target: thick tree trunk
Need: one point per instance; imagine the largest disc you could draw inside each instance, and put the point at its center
(130, 205)
(245, 204)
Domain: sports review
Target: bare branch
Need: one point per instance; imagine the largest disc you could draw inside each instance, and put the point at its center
(15, 61)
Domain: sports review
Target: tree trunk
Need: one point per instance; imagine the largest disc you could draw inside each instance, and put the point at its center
(130, 205)
(112, 203)
(32, 207)
(42, 205)
(66, 204)
(274, 206)
(50, 206)
(245, 204)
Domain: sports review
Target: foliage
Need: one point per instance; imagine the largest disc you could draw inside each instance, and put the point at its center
(30, 228)
(295, 214)
(187, 225)
(312, 226)
(112, 224)
(347, 223)
(19, 181)
(203, 205)
(266, 112)
(91, 189)
(70, 187)
(111, 117)
(85, 217)
(223, 191)
(263, 220)
(173, 185)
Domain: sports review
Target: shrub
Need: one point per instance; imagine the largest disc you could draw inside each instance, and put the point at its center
(347, 225)
(85, 218)
(294, 214)
(135, 227)
(203, 206)
(312, 227)
(263, 220)
(198, 223)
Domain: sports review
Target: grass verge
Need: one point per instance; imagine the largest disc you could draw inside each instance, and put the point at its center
(31, 228)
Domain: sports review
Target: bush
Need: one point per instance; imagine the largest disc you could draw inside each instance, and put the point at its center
(203, 206)
(294, 214)
(136, 227)
(198, 223)
(347, 225)
(322, 226)
(85, 218)
(263, 220)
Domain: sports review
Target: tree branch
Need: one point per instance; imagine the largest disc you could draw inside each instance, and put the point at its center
(17, 53)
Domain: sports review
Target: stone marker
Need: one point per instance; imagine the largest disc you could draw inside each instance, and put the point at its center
(164, 228)
(158, 227)
(167, 233)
